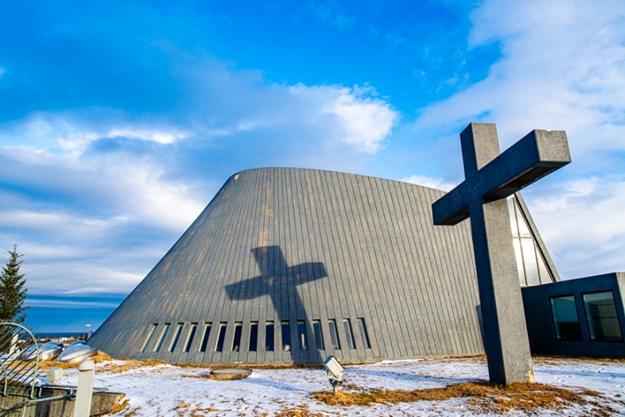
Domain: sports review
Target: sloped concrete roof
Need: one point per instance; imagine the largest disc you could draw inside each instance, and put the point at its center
(312, 248)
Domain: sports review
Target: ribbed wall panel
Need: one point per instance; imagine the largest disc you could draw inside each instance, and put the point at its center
(384, 261)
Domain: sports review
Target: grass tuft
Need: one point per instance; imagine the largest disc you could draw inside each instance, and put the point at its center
(481, 396)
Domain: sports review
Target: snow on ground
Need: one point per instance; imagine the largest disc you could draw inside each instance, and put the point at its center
(166, 390)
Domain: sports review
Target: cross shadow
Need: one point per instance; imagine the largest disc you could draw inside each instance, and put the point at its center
(280, 281)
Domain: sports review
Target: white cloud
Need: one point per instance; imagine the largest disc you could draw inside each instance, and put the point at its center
(358, 118)
(431, 182)
(582, 221)
(562, 67)
(69, 304)
(73, 131)
(366, 121)
(98, 194)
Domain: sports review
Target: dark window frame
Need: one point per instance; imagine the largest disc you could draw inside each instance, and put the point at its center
(553, 319)
(618, 320)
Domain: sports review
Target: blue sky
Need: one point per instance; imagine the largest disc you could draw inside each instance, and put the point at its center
(119, 121)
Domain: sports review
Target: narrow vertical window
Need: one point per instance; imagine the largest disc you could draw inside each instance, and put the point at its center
(565, 318)
(221, 337)
(253, 337)
(236, 340)
(301, 335)
(187, 346)
(162, 338)
(172, 345)
(334, 335)
(149, 336)
(207, 333)
(269, 336)
(286, 336)
(349, 334)
(602, 317)
(318, 335)
(363, 333)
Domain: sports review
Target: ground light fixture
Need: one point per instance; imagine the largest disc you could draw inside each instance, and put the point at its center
(335, 371)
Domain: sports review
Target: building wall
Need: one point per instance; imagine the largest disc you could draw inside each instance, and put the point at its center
(306, 245)
(542, 327)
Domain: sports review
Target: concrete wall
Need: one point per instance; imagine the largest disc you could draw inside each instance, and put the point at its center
(540, 323)
(306, 245)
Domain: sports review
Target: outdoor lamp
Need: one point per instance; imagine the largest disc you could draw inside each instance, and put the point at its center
(335, 371)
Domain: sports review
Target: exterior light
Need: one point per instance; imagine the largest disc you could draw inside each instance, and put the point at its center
(335, 371)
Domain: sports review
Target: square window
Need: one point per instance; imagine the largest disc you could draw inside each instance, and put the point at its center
(602, 317)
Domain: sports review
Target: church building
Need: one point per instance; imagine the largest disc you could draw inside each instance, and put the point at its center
(290, 265)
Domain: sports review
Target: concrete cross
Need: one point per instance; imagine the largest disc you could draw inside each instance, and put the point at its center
(279, 281)
(490, 177)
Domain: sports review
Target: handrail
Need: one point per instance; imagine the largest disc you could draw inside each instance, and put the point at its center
(19, 376)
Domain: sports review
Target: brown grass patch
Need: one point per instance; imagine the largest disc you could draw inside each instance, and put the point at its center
(129, 365)
(120, 406)
(482, 397)
(300, 411)
(562, 358)
(99, 357)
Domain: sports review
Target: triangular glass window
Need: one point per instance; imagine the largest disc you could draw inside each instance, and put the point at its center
(531, 265)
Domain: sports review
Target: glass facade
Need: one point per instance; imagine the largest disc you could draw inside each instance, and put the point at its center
(531, 265)
(602, 317)
(240, 340)
(565, 318)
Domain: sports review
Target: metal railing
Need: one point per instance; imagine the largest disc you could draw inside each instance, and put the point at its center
(19, 375)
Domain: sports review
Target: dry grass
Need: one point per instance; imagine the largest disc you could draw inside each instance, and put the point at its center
(562, 358)
(120, 406)
(129, 365)
(481, 396)
(99, 357)
(300, 411)
(250, 366)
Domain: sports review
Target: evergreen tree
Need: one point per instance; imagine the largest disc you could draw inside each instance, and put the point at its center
(12, 291)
